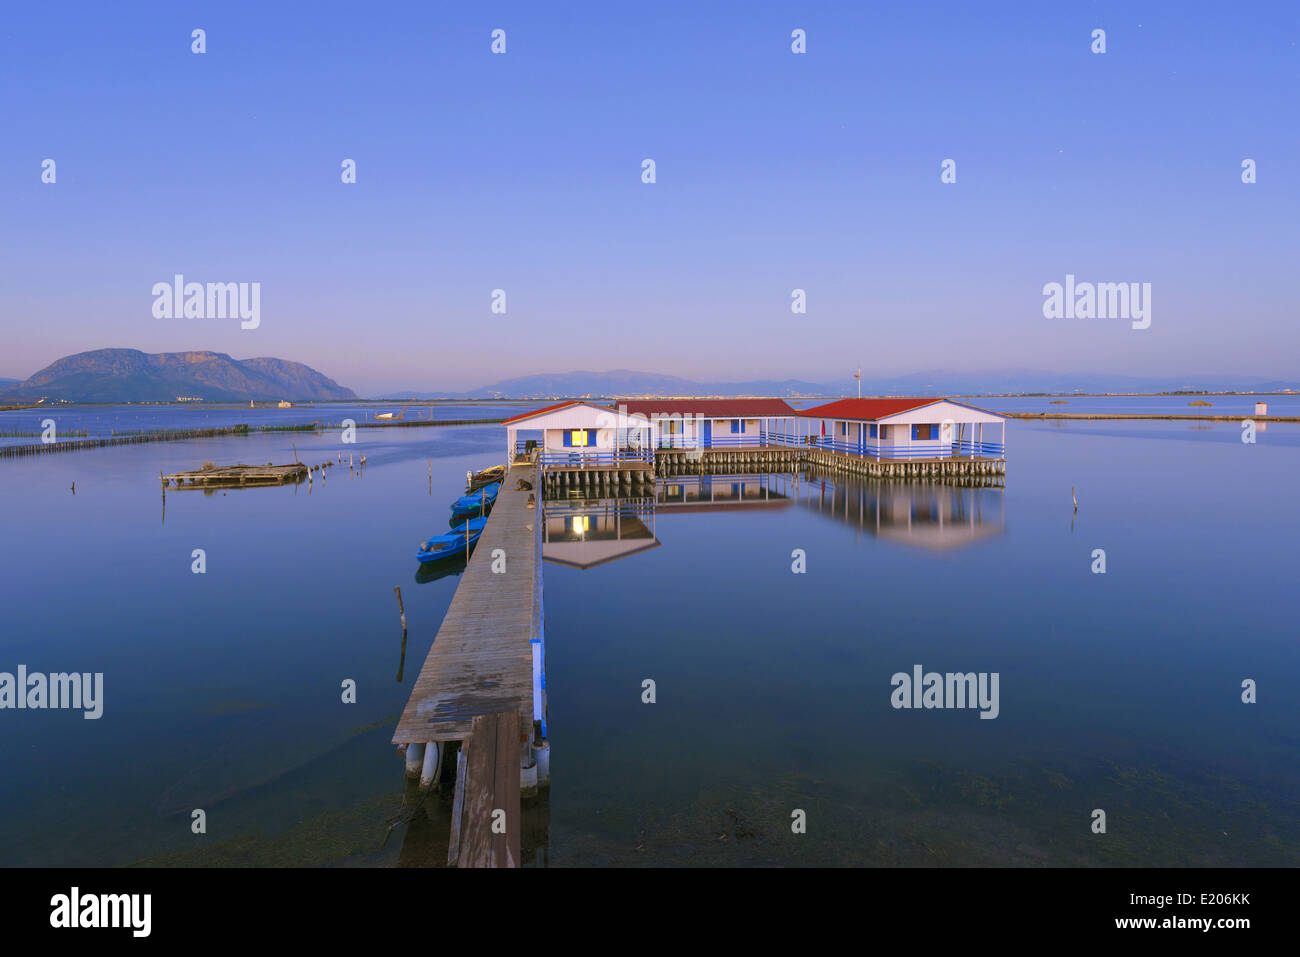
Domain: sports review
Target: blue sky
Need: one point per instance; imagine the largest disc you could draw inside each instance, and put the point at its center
(775, 171)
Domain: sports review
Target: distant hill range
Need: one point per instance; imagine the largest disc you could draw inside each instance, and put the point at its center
(129, 375)
(628, 384)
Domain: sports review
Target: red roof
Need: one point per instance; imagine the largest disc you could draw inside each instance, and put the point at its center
(715, 408)
(551, 408)
(865, 409)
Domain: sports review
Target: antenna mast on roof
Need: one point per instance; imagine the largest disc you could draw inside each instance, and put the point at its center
(858, 375)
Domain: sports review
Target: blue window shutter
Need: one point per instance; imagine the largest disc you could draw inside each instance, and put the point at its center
(914, 432)
(735, 425)
(568, 438)
(873, 431)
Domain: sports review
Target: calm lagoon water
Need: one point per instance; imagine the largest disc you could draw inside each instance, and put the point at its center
(1119, 691)
(23, 426)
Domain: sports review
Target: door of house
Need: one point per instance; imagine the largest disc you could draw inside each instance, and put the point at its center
(708, 433)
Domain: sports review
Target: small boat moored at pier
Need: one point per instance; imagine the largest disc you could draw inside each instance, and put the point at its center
(476, 503)
(456, 542)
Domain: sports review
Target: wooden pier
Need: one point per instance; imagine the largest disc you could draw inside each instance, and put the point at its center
(483, 674)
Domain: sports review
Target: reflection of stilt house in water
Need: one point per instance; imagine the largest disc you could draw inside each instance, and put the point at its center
(716, 493)
(930, 515)
(590, 533)
(584, 533)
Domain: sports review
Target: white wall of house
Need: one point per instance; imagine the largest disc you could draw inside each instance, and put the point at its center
(597, 440)
(945, 410)
(952, 422)
(688, 430)
(749, 429)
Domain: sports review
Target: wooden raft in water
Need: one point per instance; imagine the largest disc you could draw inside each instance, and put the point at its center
(211, 476)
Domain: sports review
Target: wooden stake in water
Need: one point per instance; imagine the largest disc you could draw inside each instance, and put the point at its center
(401, 665)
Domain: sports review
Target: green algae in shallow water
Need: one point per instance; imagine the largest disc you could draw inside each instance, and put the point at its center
(347, 837)
(1027, 813)
(258, 752)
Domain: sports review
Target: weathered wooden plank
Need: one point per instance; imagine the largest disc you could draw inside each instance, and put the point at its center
(505, 847)
(457, 809)
(491, 784)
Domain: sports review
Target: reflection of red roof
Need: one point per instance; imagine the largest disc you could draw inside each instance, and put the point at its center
(868, 409)
(717, 408)
(552, 408)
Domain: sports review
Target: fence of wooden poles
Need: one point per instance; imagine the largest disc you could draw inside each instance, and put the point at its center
(171, 435)
(178, 435)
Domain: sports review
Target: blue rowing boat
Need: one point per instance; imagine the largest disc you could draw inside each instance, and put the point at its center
(456, 542)
(477, 503)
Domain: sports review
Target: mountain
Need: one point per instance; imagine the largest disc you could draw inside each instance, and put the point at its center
(627, 384)
(128, 375)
